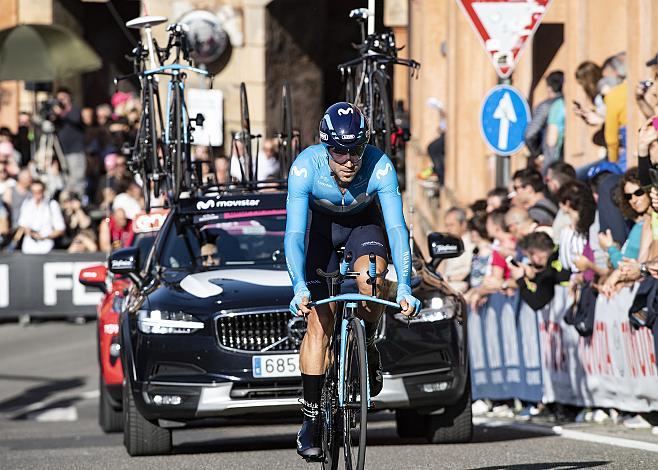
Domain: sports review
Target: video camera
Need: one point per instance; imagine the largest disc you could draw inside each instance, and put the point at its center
(47, 109)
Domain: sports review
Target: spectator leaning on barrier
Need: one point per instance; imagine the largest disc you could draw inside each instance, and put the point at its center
(5, 225)
(557, 174)
(537, 279)
(498, 198)
(575, 252)
(529, 194)
(480, 262)
(130, 201)
(15, 196)
(40, 221)
(456, 270)
(115, 231)
(497, 272)
(635, 205)
(520, 224)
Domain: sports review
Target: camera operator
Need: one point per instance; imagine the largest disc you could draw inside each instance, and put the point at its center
(537, 279)
(71, 135)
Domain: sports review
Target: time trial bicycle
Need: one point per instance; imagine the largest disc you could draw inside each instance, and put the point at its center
(345, 396)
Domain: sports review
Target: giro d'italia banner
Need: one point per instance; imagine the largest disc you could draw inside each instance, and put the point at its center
(516, 352)
(504, 350)
(613, 368)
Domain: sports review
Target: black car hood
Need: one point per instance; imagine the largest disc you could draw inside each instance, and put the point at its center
(222, 289)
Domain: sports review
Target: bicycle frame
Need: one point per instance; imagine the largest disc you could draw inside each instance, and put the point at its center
(350, 306)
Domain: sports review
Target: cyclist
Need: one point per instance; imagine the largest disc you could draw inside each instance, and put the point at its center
(340, 181)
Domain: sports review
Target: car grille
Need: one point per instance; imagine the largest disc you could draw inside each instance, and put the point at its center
(258, 331)
(248, 391)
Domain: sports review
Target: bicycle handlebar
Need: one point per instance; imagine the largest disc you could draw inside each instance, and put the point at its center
(354, 298)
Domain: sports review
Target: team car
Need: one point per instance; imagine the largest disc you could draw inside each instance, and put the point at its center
(110, 415)
(206, 331)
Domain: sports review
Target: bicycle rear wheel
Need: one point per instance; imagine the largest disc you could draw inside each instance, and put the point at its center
(382, 115)
(246, 133)
(355, 393)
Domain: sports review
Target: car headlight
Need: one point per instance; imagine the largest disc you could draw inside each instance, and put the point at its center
(434, 309)
(163, 322)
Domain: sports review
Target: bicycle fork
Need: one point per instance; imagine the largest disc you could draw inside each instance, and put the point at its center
(350, 307)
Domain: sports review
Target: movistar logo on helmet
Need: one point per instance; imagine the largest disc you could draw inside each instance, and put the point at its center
(347, 136)
(345, 111)
(323, 136)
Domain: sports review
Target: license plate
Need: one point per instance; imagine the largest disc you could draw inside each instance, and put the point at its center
(276, 365)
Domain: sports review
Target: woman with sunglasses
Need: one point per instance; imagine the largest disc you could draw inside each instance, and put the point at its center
(635, 204)
(351, 191)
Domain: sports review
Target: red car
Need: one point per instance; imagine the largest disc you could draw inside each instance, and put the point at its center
(110, 415)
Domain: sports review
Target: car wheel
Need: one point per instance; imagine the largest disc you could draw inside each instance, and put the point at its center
(140, 436)
(109, 419)
(455, 425)
(409, 423)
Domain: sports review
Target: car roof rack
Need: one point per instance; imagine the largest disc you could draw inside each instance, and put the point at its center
(235, 197)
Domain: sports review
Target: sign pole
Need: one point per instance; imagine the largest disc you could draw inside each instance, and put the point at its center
(503, 161)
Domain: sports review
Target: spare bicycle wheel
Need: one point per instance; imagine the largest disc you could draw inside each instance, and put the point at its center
(245, 136)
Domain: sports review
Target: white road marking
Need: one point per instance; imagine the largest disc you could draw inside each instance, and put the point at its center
(32, 409)
(569, 434)
(69, 413)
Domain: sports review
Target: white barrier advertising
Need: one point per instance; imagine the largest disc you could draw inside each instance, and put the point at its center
(613, 368)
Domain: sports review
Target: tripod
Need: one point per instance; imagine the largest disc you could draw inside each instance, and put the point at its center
(48, 149)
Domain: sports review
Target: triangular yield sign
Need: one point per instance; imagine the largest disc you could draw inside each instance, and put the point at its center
(504, 26)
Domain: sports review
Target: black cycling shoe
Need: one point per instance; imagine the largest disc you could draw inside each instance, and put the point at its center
(375, 373)
(309, 443)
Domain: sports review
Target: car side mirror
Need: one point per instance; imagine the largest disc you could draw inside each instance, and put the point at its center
(94, 276)
(125, 262)
(443, 246)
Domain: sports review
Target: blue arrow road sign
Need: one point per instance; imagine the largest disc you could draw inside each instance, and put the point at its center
(503, 119)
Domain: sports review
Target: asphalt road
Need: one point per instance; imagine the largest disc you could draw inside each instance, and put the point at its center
(49, 395)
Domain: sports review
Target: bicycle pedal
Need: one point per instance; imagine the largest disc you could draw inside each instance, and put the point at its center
(319, 458)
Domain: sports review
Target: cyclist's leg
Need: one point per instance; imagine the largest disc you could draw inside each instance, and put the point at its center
(314, 351)
(362, 241)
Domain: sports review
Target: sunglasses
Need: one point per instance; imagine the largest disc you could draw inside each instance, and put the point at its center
(341, 156)
(207, 257)
(638, 192)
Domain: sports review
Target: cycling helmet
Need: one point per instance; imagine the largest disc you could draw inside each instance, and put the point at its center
(603, 167)
(344, 127)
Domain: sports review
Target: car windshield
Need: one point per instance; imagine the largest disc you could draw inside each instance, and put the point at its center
(230, 239)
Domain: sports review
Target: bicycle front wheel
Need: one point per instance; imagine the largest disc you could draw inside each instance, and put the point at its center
(355, 393)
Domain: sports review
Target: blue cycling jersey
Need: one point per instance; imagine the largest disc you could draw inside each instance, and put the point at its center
(311, 185)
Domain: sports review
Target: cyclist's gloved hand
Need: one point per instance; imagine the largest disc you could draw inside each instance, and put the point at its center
(405, 299)
(300, 300)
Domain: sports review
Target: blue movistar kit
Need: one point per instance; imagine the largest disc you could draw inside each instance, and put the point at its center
(351, 219)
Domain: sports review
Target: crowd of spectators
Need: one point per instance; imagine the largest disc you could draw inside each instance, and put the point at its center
(65, 180)
(596, 235)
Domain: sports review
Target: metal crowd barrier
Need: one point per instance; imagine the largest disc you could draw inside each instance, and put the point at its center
(46, 285)
(517, 352)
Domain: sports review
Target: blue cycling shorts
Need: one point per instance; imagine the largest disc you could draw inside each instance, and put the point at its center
(360, 234)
